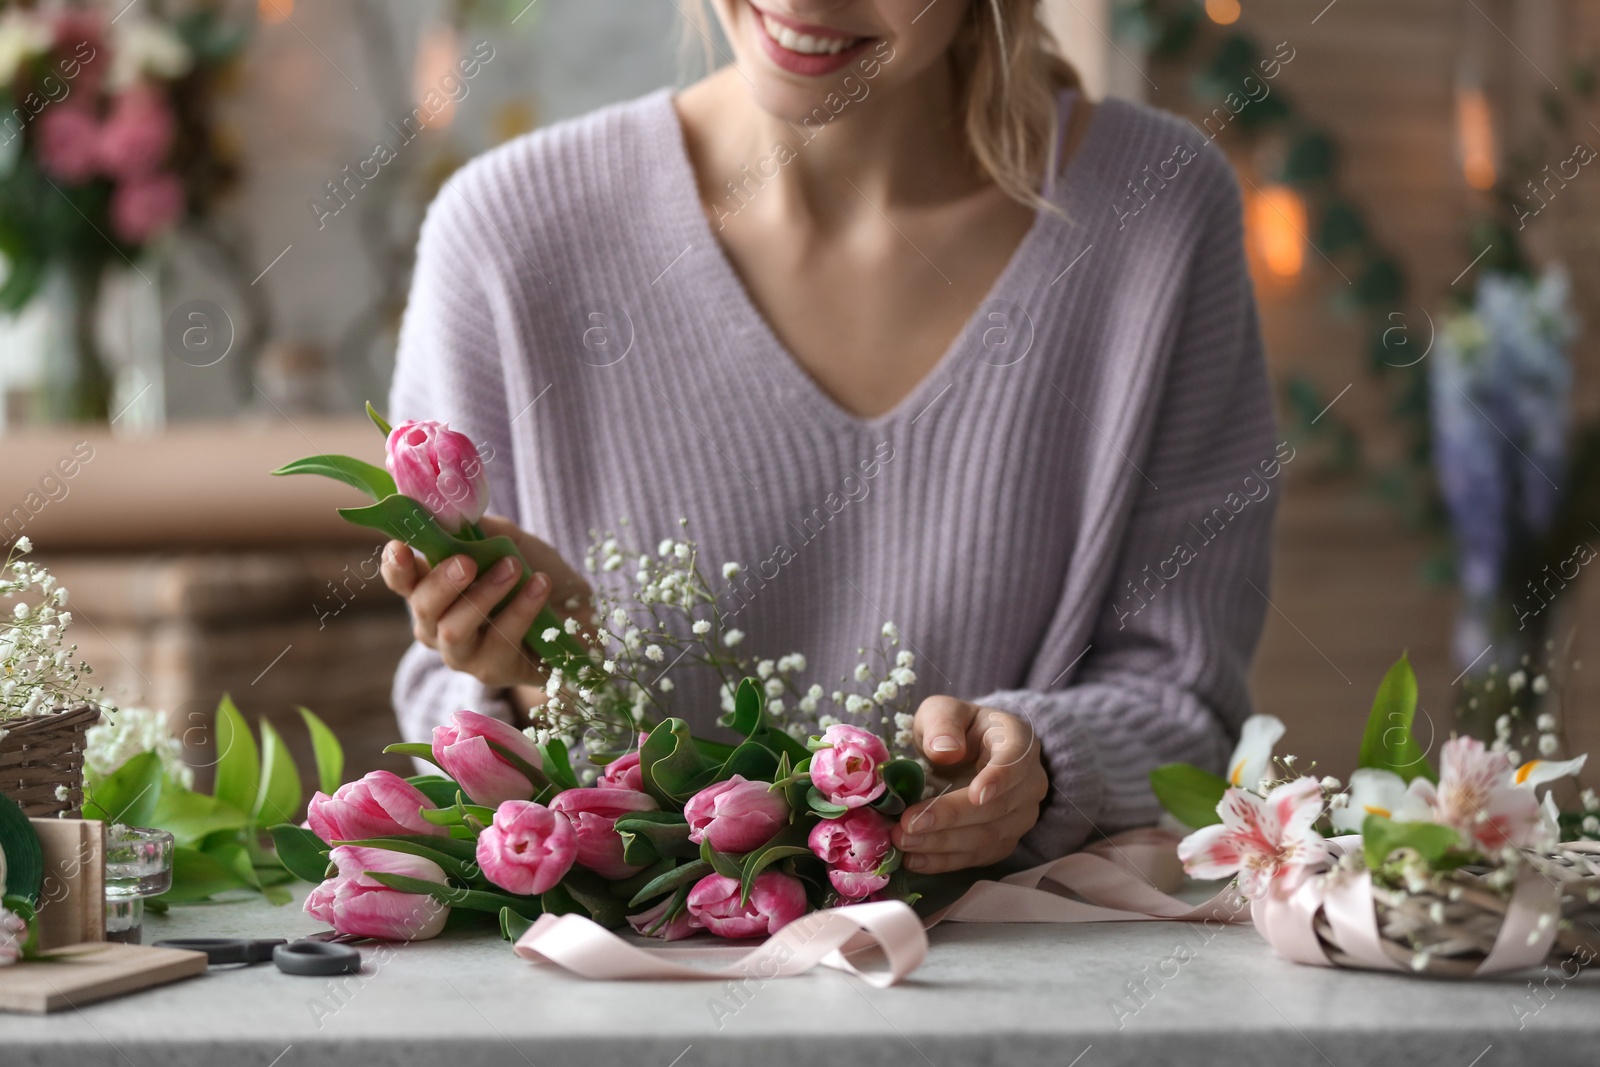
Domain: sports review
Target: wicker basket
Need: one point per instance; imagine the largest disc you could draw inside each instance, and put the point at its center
(39, 755)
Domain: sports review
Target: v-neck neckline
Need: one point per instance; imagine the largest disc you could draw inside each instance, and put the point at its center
(731, 291)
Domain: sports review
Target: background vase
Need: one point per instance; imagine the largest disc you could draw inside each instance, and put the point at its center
(77, 384)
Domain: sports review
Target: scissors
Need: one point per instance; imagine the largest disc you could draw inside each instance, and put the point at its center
(305, 957)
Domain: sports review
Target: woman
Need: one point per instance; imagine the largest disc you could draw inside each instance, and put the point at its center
(914, 331)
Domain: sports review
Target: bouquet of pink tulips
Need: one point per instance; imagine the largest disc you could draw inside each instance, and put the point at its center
(665, 832)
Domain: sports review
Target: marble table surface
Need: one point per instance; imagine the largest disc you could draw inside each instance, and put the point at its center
(1091, 995)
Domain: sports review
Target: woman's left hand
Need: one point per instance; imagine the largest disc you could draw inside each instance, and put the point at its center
(994, 762)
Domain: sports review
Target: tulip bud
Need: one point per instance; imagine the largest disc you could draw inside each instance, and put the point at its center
(461, 747)
(352, 903)
(736, 815)
(441, 470)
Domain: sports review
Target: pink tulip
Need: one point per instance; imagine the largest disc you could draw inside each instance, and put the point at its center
(736, 815)
(853, 846)
(137, 134)
(594, 813)
(461, 747)
(352, 903)
(379, 805)
(144, 207)
(681, 927)
(625, 773)
(849, 771)
(69, 143)
(528, 848)
(441, 470)
(775, 901)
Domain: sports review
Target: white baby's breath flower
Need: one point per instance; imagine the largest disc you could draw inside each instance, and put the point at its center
(1330, 783)
(701, 628)
(1518, 681)
(773, 687)
(1541, 685)
(654, 654)
(731, 570)
(904, 658)
(1545, 722)
(550, 633)
(1549, 745)
(571, 626)
(665, 547)
(1591, 824)
(1591, 800)
(825, 721)
(665, 685)
(863, 673)
(732, 638)
(611, 564)
(24, 545)
(20, 612)
(903, 677)
(765, 669)
(62, 792)
(1502, 726)
(775, 706)
(891, 632)
(837, 697)
(609, 666)
(681, 550)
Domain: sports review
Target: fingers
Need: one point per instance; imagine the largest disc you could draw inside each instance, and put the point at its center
(461, 625)
(503, 653)
(401, 568)
(436, 593)
(1008, 753)
(940, 729)
(969, 846)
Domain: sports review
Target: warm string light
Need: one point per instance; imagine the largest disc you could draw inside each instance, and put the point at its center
(1475, 135)
(1277, 226)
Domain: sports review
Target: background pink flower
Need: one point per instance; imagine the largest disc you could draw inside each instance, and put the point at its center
(681, 927)
(736, 815)
(624, 773)
(144, 207)
(137, 134)
(380, 804)
(528, 848)
(69, 142)
(853, 846)
(776, 900)
(353, 903)
(461, 747)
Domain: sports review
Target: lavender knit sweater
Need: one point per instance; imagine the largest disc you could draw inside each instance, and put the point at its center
(1069, 518)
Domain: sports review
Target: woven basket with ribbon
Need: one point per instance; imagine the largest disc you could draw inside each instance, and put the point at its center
(42, 754)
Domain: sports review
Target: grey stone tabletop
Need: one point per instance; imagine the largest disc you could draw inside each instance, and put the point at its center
(1088, 995)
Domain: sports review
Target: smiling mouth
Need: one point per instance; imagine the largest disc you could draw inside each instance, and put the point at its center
(806, 44)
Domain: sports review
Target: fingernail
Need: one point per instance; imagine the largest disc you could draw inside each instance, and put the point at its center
(944, 744)
(910, 840)
(458, 569)
(916, 863)
(538, 586)
(984, 793)
(504, 570)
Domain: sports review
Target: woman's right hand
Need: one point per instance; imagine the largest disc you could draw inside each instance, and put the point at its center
(452, 604)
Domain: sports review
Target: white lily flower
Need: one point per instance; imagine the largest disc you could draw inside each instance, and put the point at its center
(1372, 792)
(1537, 772)
(1253, 755)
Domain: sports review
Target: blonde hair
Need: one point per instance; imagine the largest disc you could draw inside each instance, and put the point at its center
(1009, 72)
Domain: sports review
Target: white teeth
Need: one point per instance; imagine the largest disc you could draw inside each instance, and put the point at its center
(805, 44)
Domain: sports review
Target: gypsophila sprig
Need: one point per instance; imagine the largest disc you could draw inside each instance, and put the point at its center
(40, 672)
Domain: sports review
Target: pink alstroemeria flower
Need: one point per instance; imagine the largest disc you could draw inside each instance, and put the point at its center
(1478, 796)
(1268, 843)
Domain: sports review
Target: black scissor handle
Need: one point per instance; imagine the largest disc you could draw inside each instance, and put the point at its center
(316, 958)
(227, 949)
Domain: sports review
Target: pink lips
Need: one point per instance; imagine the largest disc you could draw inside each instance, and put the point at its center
(809, 66)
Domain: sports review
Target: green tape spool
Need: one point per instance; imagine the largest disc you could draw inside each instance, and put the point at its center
(24, 858)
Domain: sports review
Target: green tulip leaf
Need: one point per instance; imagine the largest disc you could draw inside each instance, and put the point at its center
(191, 817)
(791, 841)
(374, 481)
(439, 850)
(439, 790)
(593, 892)
(414, 749)
(199, 876)
(671, 767)
(302, 853)
(1380, 837)
(822, 805)
(656, 834)
(557, 767)
(513, 925)
(1388, 744)
(379, 421)
(278, 797)
(472, 899)
(685, 875)
(722, 863)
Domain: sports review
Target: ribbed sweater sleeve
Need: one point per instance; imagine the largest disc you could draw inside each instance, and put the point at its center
(1163, 676)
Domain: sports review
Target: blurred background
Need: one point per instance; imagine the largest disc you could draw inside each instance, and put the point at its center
(208, 211)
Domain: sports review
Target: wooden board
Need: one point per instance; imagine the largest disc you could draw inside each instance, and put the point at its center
(72, 900)
(92, 971)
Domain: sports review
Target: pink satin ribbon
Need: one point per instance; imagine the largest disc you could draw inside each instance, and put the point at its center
(1288, 922)
(1127, 877)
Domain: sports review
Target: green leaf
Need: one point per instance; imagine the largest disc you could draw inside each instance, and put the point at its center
(238, 776)
(593, 892)
(473, 899)
(752, 760)
(685, 875)
(1387, 743)
(526, 769)
(329, 753)
(278, 797)
(24, 856)
(403, 518)
(378, 421)
(822, 805)
(1380, 836)
(724, 864)
(1190, 793)
(671, 767)
(438, 789)
(651, 835)
(904, 779)
(198, 875)
(557, 767)
(190, 816)
(414, 749)
(750, 719)
(302, 853)
(374, 481)
(557, 901)
(791, 841)
(127, 795)
(513, 925)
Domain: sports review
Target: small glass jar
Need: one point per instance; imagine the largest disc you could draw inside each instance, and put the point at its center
(138, 865)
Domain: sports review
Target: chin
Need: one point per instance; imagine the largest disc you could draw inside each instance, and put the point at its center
(794, 64)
